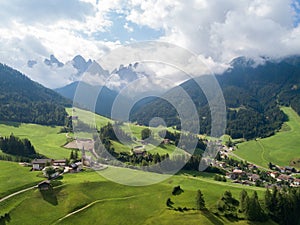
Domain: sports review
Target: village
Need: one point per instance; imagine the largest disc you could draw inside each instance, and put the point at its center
(246, 173)
(238, 171)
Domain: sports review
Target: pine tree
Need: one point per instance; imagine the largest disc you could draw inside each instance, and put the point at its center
(200, 202)
(72, 155)
(268, 200)
(76, 154)
(169, 203)
(254, 211)
(228, 205)
(244, 200)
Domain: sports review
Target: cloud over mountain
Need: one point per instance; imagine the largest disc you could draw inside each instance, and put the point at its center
(217, 31)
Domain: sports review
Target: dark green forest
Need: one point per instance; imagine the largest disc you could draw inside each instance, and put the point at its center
(15, 146)
(253, 96)
(23, 100)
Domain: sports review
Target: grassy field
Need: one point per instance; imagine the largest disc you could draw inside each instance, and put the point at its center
(110, 203)
(45, 139)
(135, 131)
(14, 177)
(87, 117)
(281, 149)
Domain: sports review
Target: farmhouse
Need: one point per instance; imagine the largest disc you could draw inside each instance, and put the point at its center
(283, 177)
(254, 177)
(236, 173)
(39, 164)
(75, 167)
(166, 141)
(274, 174)
(44, 185)
(296, 182)
(139, 151)
(59, 162)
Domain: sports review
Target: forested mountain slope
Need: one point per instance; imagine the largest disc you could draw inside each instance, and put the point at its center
(23, 100)
(253, 96)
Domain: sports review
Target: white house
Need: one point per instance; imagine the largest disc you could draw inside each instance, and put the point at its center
(39, 164)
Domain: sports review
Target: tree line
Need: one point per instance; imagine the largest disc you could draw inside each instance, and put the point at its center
(280, 205)
(253, 97)
(18, 147)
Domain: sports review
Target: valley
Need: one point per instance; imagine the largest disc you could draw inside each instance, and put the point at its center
(260, 130)
(46, 139)
(88, 197)
(105, 199)
(281, 149)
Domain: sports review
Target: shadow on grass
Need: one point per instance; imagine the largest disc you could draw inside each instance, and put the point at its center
(212, 218)
(5, 219)
(12, 124)
(50, 195)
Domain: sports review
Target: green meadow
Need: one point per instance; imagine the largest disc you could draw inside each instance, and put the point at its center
(88, 117)
(281, 149)
(14, 177)
(46, 139)
(89, 198)
(134, 130)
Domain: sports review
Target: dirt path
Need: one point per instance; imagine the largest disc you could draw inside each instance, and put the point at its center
(93, 203)
(234, 155)
(16, 193)
(263, 151)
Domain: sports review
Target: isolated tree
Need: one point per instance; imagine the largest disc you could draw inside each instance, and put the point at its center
(146, 133)
(169, 203)
(49, 171)
(228, 205)
(177, 190)
(200, 202)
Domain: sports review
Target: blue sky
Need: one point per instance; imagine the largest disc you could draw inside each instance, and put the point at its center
(126, 31)
(296, 6)
(217, 31)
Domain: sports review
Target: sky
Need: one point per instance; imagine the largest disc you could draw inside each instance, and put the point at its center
(215, 30)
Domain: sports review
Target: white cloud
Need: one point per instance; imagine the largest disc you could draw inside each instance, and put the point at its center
(128, 28)
(217, 31)
(222, 29)
(49, 76)
(43, 12)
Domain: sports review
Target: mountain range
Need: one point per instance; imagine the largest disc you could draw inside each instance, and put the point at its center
(253, 96)
(91, 71)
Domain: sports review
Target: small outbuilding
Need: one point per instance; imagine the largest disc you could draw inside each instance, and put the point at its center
(45, 185)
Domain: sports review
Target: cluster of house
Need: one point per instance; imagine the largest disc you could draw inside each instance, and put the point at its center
(287, 178)
(242, 177)
(42, 164)
(279, 174)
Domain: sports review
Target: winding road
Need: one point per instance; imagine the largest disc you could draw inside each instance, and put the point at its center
(16, 193)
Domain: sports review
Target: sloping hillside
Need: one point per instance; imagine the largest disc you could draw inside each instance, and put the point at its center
(23, 100)
(252, 94)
